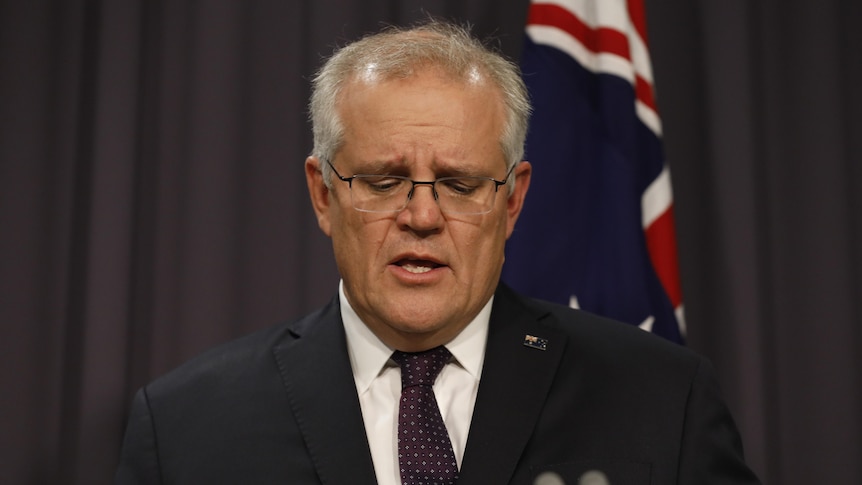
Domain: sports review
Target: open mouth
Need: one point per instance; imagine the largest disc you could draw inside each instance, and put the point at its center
(417, 266)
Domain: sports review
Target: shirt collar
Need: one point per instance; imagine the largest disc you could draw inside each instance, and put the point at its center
(369, 355)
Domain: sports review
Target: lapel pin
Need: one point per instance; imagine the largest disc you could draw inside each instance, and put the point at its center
(535, 342)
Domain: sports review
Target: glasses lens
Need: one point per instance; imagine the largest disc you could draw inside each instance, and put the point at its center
(455, 195)
(378, 193)
(465, 195)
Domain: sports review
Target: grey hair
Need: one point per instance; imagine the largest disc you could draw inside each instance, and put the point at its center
(399, 53)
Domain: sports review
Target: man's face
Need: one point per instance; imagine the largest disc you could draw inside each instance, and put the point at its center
(417, 277)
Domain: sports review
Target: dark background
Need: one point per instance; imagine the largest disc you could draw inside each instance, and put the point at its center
(153, 204)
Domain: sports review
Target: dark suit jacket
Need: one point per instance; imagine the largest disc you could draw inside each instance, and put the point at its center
(280, 407)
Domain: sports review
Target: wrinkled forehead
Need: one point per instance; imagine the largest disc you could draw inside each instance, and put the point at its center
(429, 81)
(372, 75)
(428, 117)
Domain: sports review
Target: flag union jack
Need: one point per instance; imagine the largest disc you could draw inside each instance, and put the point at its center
(597, 230)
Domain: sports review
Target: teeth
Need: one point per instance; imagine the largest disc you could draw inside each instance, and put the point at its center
(416, 269)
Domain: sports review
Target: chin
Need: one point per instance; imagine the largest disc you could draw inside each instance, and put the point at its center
(416, 323)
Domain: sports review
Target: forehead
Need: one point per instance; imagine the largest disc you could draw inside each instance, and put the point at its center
(428, 115)
(430, 80)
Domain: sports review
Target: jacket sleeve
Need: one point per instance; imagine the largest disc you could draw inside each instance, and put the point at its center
(711, 451)
(139, 459)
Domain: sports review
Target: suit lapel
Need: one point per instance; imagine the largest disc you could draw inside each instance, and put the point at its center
(514, 385)
(316, 371)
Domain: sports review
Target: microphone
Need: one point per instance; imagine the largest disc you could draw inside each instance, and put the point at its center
(591, 477)
(594, 477)
(549, 478)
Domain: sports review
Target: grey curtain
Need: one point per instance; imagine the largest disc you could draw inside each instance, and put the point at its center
(761, 105)
(152, 205)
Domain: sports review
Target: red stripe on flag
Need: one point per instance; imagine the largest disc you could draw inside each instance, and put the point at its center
(661, 244)
(601, 40)
(644, 92)
(596, 40)
(637, 13)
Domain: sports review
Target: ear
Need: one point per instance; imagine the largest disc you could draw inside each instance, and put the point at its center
(515, 202)
(319, 193)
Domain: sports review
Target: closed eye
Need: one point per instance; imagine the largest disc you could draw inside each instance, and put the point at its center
(461, 186)
(380, 184)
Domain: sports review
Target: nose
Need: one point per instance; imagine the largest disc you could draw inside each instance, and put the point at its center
(422, 213)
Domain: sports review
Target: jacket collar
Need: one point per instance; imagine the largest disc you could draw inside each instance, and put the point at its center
(516, 379)
(315, 368)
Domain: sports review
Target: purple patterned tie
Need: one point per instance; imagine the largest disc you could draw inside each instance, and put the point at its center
(425, 455)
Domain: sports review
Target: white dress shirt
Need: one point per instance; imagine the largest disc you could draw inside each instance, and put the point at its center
(378, 383)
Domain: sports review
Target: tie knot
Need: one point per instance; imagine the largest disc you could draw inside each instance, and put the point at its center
(421, 368)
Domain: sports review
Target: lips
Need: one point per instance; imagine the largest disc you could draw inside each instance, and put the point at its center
(417, 267)
(416, 264)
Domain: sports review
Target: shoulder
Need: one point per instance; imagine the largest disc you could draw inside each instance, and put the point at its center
(632, 394)
(243, 361)
(601, 330)
(609, 344)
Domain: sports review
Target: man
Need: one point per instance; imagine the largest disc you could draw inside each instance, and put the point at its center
(417, 178)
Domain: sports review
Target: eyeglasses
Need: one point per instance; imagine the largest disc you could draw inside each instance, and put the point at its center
(391, 193)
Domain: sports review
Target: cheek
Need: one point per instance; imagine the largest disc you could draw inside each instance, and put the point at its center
(480, 245)
(359, 238)
(346, 240)
(497, 234)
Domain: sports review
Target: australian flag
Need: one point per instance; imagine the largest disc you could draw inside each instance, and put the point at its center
(597, 230)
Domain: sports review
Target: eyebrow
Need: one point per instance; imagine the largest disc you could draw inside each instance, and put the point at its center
(461, 172)
(383, 167)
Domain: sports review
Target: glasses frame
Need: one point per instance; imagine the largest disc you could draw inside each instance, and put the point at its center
(432, 183)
